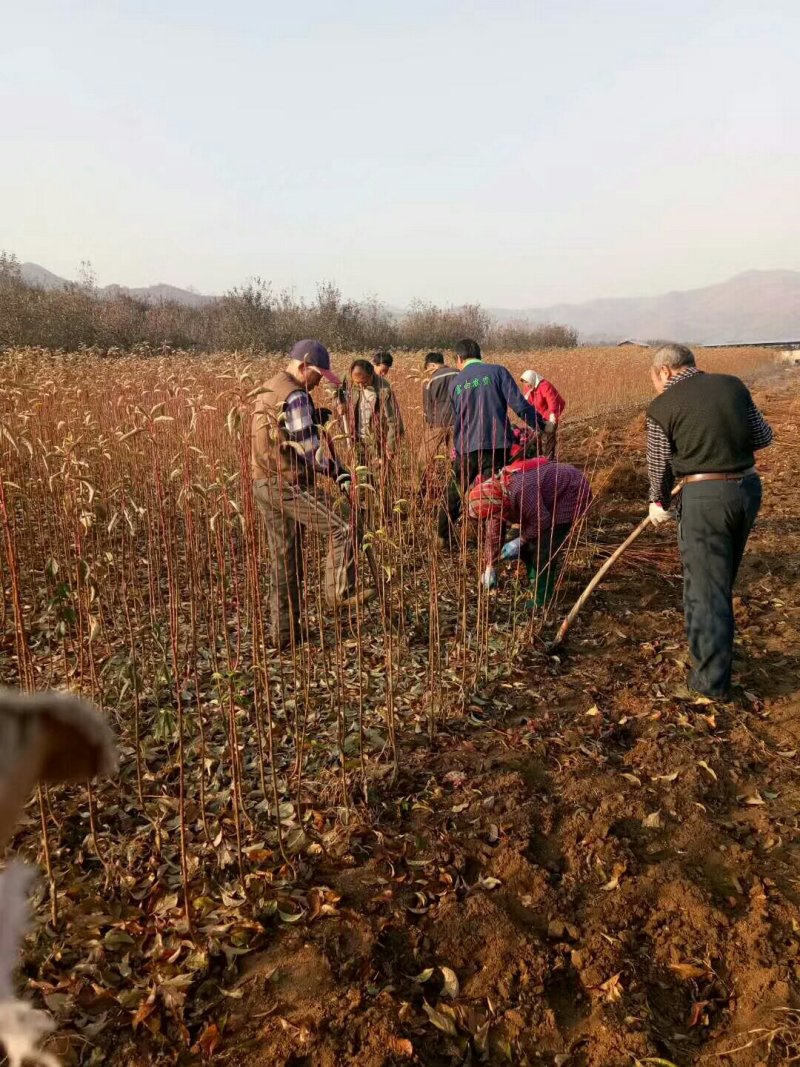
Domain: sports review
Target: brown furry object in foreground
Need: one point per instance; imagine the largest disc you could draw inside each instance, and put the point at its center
(44, 738)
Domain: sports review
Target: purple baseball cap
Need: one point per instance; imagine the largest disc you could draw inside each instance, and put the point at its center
(316, 355)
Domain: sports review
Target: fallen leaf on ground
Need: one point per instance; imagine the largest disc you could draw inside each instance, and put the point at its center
(207, 1042)
(709, 770)
(440, 1020)
(450, 987)
(612, 988)
(688, 971)
(488, 883)
(698, 1009)
(402, 1046)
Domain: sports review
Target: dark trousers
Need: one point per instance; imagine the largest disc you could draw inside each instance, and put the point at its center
(543, 560)
(547, 441)
(466, 469)
(715, 522)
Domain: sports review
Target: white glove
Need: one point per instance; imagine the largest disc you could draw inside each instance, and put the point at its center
(658, 514)
(489, 578)
(552, 417)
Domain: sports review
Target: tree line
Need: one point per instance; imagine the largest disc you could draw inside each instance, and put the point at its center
(252, 317)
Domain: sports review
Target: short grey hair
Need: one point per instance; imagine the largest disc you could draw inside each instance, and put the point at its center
(674, 357)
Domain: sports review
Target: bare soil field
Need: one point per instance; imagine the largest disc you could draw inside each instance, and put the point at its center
(590, 870)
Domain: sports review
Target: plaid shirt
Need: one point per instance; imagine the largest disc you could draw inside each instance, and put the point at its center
(302, 430)
(554, 494)
(659, 450)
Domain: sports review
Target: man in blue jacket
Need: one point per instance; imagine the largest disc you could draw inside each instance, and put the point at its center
(482, 394)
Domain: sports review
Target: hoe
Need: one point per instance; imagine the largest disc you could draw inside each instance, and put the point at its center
(593, 584)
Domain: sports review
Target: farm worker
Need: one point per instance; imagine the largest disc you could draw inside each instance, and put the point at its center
(373, 417)
(549, 403)
(288, 466)
(437, 410)
(482, 394)
(545, 500)
(704, 429)
(383, 363)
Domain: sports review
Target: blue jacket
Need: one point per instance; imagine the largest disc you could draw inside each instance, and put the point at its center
(482, 393)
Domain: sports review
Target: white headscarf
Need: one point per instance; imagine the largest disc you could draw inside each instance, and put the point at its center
(531, 377)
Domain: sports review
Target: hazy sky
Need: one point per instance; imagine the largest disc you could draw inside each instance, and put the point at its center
(507, 152)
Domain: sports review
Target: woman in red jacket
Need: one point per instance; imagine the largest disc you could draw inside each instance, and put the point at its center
(549, 403)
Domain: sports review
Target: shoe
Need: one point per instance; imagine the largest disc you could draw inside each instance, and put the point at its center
(362, 597)
(689, 695)
(710, 698)
(720, 697)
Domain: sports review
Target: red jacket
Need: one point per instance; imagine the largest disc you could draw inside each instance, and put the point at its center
(546, 399)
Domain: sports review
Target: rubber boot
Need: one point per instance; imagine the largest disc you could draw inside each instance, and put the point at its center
(542, 584)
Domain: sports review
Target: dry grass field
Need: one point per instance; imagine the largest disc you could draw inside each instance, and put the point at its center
(294, 841)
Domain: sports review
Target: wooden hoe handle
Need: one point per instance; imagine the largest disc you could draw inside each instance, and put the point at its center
(606, 567)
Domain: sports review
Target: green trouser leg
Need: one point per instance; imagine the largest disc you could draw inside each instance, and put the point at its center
(543, 583)
(543, 579)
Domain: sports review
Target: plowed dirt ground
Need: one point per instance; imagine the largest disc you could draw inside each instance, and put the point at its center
(589, 870)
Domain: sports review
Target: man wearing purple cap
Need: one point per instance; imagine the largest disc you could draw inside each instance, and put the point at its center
(287, 461)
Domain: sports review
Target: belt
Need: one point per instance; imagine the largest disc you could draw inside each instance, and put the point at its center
(736, 476)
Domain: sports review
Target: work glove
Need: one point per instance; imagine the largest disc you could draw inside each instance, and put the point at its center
(489, 578)
(511, 549)
(658, 514)
(344, 481)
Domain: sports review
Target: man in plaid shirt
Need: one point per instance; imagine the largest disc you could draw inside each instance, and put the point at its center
(287, 466)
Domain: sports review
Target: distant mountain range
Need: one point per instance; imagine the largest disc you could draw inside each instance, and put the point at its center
(759, 305)
(33, 274)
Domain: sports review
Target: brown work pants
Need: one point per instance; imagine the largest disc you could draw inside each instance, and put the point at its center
(287, 508)
(436, 441)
